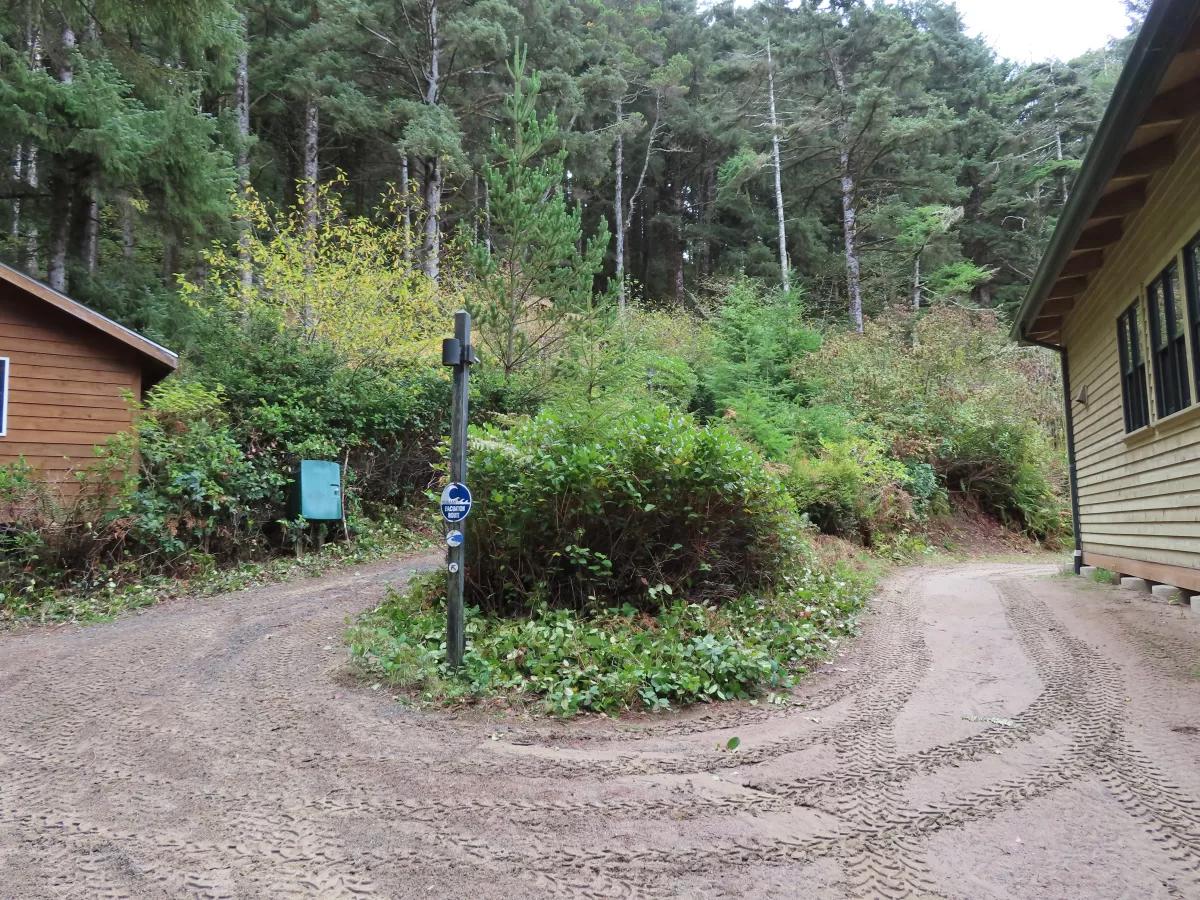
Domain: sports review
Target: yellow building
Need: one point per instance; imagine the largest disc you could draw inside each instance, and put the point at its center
(1118, 295)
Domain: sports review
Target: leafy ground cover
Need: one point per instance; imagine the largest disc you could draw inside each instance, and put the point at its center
(564, 661)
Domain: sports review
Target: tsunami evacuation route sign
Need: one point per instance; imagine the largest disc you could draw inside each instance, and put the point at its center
(456, 502)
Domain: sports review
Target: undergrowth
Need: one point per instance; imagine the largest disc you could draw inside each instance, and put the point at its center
(565, 662)
(102, 594)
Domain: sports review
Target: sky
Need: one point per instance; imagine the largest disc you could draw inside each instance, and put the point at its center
(1033, 30)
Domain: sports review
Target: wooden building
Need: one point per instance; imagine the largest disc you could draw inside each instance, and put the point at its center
(66, 376)
(1118, 295)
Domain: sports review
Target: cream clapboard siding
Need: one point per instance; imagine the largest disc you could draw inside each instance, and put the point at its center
(1139, 496)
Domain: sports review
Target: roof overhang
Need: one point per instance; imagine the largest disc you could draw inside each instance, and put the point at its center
(1158, 89)
(156, 359)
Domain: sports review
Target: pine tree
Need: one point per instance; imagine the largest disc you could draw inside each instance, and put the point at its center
(534, 283)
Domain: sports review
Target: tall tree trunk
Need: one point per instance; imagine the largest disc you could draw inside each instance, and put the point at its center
(312, 123)
(91, 235)
(170, 258)
(432, 249)
(31, 163)
(66, 66)
(850, 227)
(61, 187)
(917, 282)
(619, 209)
(849, 199)
(487, 218)
(18, 159)
(783, 257)
(32, 263)
(128, 242)
(61, 190)
(406, 204)
(245, 264)
(312, 127)
(675, 253)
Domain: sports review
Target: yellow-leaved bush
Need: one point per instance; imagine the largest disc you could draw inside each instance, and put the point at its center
(353, 281)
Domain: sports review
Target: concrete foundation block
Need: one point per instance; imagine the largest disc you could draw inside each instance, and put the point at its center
(1088, 571)
(1166, 592)
(1135, 584)
(1196, 603)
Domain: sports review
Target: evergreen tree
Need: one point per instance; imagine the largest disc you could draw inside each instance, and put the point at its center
(533, 283)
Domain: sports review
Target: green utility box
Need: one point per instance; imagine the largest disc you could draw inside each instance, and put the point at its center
(317, 491)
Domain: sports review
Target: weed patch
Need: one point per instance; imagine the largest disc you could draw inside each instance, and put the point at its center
(565, 661)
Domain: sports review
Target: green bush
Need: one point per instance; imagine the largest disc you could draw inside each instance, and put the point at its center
(616, 658)
(651, 508)
(949, 390)
(852, 488)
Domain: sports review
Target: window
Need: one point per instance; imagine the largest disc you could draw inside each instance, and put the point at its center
(3, 396)
(1191, 262)
(1168, 342)
(1133, 369)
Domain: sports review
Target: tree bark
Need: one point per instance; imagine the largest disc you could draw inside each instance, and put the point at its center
(431, 251)
(31, 236)
(60, 232)
(850, 227)
(783, 257)
(245, 264)
(619, 209)
(432, 248)
(406, 203)
(849, 199)
(31, 163)
(312, 122)
(675, 254)
(61, 188)
(18, 159)
(917, 282)
(128, 242)
(91, 235)
(66, 66)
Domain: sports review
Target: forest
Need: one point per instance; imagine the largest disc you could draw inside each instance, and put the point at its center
(740, 275)
(870, 153)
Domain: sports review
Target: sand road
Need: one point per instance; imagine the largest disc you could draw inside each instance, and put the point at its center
(996, 732)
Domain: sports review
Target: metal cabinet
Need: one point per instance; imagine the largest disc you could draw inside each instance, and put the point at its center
(317, 491)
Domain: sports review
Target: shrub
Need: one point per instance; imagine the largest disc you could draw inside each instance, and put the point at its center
(641, 511)
(852, 488)
(289, 398)
(948, 389)
(50, 528)
(757, 341)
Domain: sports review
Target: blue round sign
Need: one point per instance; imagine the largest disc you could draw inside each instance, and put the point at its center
(456, 502)
(454, 539)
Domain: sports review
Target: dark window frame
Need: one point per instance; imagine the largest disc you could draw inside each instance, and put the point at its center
(1191, 270)
(1168, 343)
(1132, 365)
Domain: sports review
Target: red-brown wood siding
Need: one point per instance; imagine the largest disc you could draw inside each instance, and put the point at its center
(68, 385)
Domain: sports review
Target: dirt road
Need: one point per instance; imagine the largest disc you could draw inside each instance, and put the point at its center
(995, 733)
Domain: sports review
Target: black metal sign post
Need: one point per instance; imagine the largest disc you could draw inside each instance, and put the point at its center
(456, 500)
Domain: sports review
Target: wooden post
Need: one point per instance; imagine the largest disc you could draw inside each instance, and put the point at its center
(456, 556)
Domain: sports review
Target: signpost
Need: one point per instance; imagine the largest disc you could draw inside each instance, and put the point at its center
(456, 498)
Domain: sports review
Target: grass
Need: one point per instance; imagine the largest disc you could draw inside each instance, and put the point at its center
(103, 595)
(565, 662)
